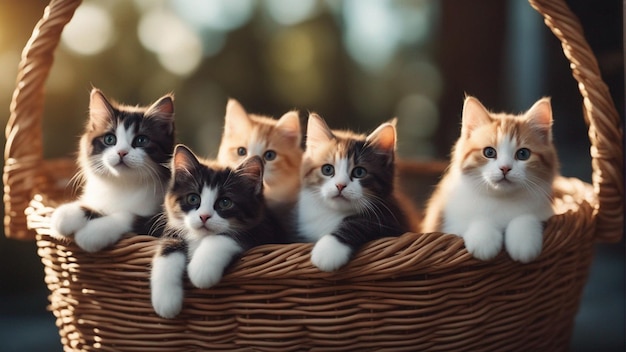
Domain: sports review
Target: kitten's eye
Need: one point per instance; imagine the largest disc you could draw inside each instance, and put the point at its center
(490, 152)
(224, 204)
(241, 151)
(328, 170)
(522, 154)
(193, 199)
(109, 139)
(359, 172)
(141, 141)
(269, 155)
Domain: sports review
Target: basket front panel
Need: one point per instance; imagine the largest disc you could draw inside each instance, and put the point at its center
(102, 300)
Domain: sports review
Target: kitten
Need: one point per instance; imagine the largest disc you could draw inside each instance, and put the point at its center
(347, 195)
(498, 187)
(122, 158)
(277, 142)
(214, 214)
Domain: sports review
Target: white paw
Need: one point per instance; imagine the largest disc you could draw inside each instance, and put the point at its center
(203, 272)
(483, 241)
(523, 238)
(210, 259)
(329, 254)
(67, 219)
(166, 284)
(98, 234)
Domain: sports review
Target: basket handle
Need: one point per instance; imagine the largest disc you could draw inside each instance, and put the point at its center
(23, 154)
(605, 133)
(24, 151)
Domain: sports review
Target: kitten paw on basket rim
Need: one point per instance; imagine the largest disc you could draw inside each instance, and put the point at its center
(500, 183)
(121, 158)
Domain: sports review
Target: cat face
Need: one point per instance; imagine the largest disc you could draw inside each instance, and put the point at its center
(347, 171)
(128, 142)
(206, 199)
(276, 142)
(505, 153)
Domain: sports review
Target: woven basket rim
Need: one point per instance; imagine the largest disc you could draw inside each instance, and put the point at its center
(409, 254)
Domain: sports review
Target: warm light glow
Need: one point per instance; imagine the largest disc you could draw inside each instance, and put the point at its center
(178, 47)
(90, 31)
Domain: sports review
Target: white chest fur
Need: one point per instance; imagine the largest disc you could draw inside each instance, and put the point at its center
(466, 203)
(314, 219)
(110, 197)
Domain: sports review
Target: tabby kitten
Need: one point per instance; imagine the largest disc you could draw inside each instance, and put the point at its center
(122, 158)
(347, 195)
(214, 214)
(277, 142)
(498, 187)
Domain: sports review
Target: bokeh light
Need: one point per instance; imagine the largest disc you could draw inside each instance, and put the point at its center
(371, 32)
(289, 12)
(219, 15)
(177, 45)
(90, 31)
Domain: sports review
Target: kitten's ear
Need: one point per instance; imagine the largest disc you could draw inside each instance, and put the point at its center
(101, 112)
(236, 120)
(252, 169)
(317, 132)
(184, 159)
(163, 110)
(474, 115)
(384, 138)
(289, 126)
(540, 118)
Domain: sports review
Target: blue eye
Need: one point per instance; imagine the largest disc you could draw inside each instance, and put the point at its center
(224, 204)
(328, 170)
(193, 199)
(241, 151)
(109, 139)
(490, 152)
(141, 141)
(522, 154)
(269, 155)
(359, 172)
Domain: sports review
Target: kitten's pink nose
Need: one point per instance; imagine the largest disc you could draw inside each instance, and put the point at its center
(204, 218)
(505, 169)
(340, 186)
(122, 153)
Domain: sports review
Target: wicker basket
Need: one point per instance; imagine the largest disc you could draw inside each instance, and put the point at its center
(416, 292)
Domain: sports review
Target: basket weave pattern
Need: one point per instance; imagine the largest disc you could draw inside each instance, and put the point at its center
(415, 292)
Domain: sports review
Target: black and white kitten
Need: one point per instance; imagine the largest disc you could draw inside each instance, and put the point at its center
(214, 214)
(123, 157)
(347, 195)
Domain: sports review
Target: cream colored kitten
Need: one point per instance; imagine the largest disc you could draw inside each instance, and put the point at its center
(498, 188)
(277, 142)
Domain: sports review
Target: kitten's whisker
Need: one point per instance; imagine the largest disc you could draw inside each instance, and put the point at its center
(159, 223)
(376, 209)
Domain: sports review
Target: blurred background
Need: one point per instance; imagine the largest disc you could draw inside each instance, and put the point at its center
(356, 63)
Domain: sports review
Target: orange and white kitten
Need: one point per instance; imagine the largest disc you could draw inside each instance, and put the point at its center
(498, 188)
(277, 142)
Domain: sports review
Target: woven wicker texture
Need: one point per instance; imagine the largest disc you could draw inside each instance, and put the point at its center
(416, 292)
